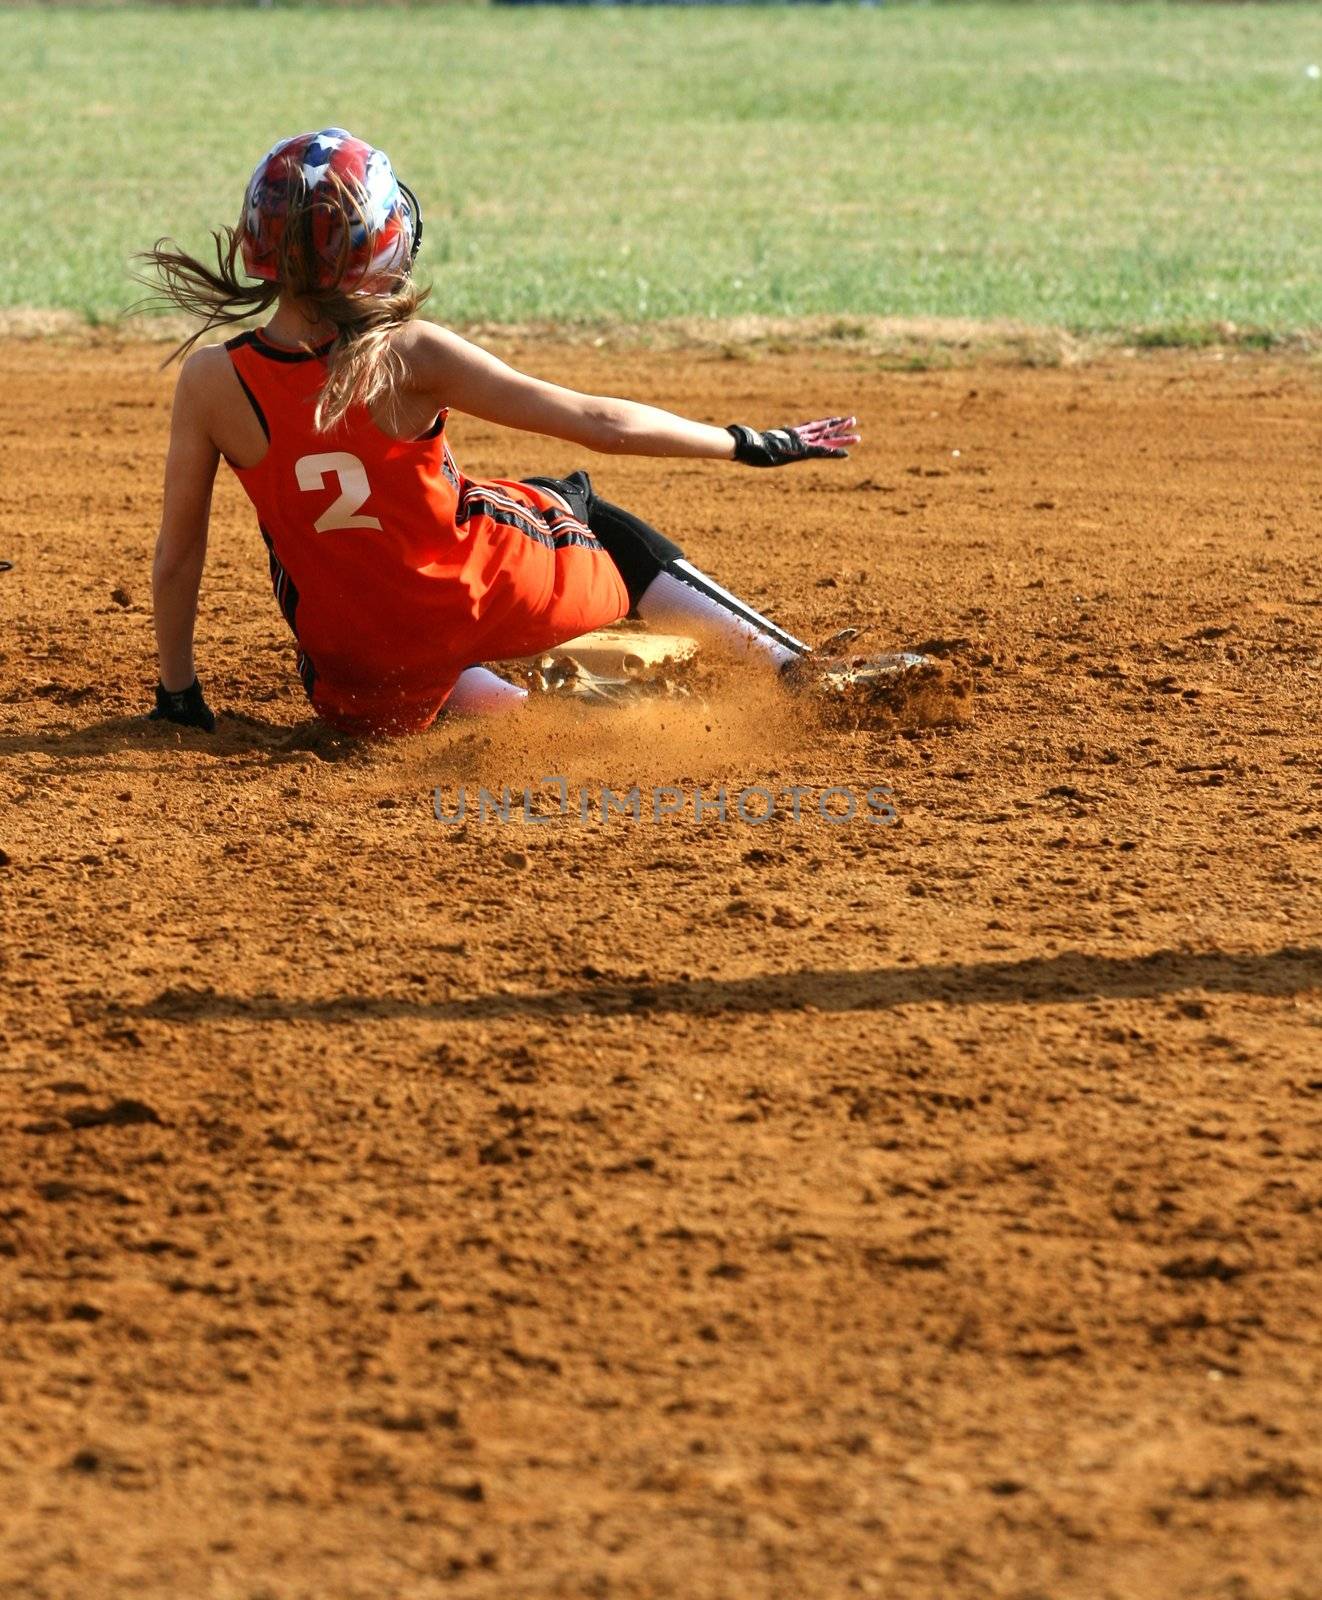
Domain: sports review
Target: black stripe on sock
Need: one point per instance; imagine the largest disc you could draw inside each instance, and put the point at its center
(696, 580)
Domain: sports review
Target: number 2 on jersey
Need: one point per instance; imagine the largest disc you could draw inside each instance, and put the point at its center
(312, 471)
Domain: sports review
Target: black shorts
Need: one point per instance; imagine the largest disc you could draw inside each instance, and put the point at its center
(576, 491)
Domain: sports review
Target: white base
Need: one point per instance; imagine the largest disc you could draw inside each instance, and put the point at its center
(623, 652)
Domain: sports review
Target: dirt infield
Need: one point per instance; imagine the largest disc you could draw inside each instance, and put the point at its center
(677, 1208)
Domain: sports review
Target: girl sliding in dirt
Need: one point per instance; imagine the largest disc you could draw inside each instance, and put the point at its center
(398, 575)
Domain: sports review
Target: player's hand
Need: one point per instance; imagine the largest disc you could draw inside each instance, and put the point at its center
(809, 441)
(184, 706)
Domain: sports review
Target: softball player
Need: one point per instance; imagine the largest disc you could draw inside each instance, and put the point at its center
(398, 575)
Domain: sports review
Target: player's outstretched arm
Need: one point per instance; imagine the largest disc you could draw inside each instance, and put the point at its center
(181, 548)
(453, 372)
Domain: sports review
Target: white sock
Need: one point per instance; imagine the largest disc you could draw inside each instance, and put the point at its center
(682, 597)
(480, 693)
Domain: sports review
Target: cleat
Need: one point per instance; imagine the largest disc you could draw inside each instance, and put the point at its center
(903, 688)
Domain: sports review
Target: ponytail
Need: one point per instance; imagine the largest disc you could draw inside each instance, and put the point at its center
(189, 285)
(363, 367)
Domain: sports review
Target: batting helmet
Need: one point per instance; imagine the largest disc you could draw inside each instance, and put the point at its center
(382, 218)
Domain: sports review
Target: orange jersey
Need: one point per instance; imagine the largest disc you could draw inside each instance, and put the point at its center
(393, 570)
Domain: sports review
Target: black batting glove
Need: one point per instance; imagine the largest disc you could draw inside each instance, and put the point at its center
(184, 706)
(777, 447)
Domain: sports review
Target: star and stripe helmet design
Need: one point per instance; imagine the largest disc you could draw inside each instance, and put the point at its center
(382, 217)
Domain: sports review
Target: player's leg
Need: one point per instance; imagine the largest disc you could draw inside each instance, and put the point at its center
(481, 693)
(668, 592)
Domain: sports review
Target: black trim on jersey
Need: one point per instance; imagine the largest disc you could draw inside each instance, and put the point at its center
(286, 592)
(275, 352)
(306, 671)
(252, 400)
(543, 533)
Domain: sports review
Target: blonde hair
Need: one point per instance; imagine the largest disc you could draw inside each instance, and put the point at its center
(363, 366)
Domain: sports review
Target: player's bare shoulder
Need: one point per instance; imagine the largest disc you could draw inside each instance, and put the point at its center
(204, 364)
(453, 372)
(210, 403)
(427, 349)
(205, 377)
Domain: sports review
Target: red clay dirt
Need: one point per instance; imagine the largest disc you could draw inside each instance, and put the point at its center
(678, 1208)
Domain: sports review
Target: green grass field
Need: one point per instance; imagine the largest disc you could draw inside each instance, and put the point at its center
(1089, 166)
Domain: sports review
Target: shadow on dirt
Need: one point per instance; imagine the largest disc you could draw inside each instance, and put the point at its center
(235, 735)
(1059, 979)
